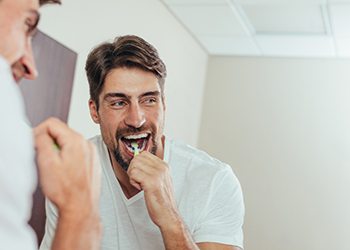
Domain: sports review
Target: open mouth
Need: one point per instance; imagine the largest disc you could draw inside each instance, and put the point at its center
(140, 141)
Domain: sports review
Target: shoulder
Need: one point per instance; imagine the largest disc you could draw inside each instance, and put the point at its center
(198, 164)
(195, 157)
(98, 142)
(97, 139)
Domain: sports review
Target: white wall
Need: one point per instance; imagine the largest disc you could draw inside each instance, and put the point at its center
(284, 126)
(82, 24)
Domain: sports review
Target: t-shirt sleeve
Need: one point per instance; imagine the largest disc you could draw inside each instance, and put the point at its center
(50, 226)
(222, 218)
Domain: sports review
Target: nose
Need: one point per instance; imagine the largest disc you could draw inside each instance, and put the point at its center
(135, 116)
(28, 63)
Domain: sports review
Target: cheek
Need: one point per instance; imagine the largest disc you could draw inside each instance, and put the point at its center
(14, 49)
(17, 44)
(158, 120)
(109, 127)
(13, 43)
(17, 49)
(108, 135)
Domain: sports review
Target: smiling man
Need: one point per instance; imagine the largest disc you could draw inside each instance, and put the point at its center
(70, 178)
(156, 193)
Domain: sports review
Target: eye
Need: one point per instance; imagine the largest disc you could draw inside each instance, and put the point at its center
(118, 104)
(150, 100)
(31, 26)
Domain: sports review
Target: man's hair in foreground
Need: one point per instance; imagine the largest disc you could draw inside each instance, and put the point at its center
(125, 51)
(42, 2)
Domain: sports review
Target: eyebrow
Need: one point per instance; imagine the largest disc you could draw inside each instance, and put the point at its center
(151, 93)
(122, 95)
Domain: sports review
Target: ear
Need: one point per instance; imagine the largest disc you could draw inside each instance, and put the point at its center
(93, 111)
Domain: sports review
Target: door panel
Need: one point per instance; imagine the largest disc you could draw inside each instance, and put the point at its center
(48, 95)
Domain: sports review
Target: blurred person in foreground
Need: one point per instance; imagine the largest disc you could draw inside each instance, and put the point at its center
(69, 175)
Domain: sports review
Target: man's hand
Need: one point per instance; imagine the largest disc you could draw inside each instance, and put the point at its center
(70, 176)
(68, 166)
(148, 172)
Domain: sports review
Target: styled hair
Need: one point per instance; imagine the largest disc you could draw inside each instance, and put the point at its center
(125, 51)
(42, 2)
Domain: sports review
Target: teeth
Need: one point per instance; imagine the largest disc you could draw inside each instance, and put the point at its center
(134, 137)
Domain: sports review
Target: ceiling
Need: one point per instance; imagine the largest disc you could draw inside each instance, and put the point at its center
(292, 28)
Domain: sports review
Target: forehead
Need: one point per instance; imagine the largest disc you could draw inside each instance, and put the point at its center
(131, 81)
(14, 11)
(23, 5)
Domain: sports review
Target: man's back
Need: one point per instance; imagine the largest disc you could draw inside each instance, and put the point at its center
(17, 171)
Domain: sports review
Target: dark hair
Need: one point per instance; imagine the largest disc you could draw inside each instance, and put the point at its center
(42, 2)
(125, 51)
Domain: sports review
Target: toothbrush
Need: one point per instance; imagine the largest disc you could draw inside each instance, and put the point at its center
(135, 147)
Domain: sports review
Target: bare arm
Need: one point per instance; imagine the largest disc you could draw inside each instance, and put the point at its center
(177, 237)
(216, 246)
(151, 174)
(77, 232)
(70, 178)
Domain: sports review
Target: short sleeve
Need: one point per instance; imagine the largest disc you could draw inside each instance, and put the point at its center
(222, 218)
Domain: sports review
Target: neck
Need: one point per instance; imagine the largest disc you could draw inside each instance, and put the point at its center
(160, 150)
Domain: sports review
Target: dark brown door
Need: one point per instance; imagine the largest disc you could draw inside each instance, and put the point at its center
(48, 95)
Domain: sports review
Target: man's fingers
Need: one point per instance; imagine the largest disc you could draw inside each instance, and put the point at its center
(58, 130)
(146, 163)
(45, 148)
(47, 159)
(44, 126)
(136, 176)
(135, 184)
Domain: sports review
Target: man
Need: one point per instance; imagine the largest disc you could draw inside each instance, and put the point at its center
(156, 193)
(69, 175)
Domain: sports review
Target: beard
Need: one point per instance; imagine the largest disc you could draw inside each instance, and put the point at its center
(124, 163)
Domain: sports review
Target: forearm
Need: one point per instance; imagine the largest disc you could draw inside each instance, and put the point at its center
(77, 232)
(176, 236)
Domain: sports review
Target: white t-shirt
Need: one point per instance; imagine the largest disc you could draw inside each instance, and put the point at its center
(207, 193)
(17, 171)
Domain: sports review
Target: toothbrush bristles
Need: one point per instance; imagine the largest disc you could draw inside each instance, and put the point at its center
(135, 147)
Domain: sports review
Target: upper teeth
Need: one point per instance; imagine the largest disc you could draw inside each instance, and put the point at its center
(133, 137)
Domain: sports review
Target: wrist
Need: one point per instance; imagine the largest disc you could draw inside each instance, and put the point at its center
(177, 236)
(77, 208)
(77, 231)
(83, 216)
(174, 226)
